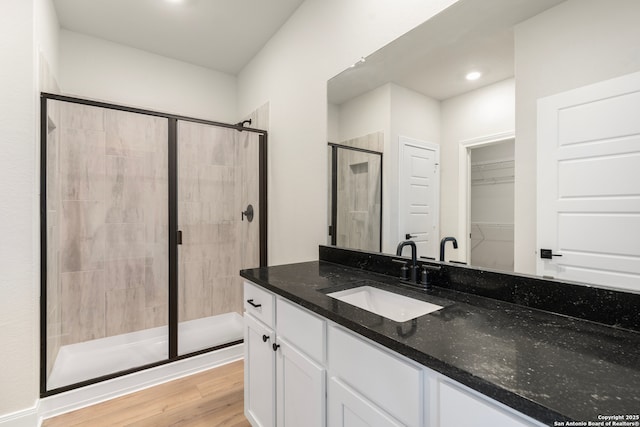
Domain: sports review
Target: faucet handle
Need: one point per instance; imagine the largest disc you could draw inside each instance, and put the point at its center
(404, 270)
(424, 276)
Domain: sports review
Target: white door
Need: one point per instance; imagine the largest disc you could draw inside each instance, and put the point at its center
(418, 195)
(346, 408)
(589, 183)
(259, 374)
(300, 389)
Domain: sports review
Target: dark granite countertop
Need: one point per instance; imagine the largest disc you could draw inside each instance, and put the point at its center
(548, 366)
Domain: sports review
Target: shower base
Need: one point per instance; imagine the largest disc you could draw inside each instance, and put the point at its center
(91, 359)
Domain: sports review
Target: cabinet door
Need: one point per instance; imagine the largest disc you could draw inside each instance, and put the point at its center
(346, 408)
(259, 373)
(300, 389)
(457, 408)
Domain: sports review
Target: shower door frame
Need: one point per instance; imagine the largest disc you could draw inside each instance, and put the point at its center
(333, 227)
(172, 209)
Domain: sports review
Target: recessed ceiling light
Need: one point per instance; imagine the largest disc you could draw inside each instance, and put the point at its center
(473, 75)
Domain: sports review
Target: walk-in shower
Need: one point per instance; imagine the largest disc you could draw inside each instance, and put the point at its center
(355, 197)
(145, 226)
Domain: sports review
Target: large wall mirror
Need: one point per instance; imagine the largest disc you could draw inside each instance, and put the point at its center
(531, 164)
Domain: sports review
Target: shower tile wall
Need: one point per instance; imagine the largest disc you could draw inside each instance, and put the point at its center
(54, 326)
(217, 178)
(359, 194)
(107, 220)
(373, 141)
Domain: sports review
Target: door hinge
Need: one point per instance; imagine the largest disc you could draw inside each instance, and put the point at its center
(179, 237)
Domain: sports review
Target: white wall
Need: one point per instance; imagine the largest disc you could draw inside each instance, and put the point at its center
(322, 38)
(365, 114)
(25, 28)
(333, 123)
(578, 42)
(486, 111)
(99, 69)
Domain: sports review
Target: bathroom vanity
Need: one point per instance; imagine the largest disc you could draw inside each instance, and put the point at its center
(491, 356)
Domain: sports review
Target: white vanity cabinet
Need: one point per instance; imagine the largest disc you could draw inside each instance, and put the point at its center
(304, 370)
(284, 362)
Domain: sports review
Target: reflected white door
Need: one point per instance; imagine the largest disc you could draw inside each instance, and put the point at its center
(418, 194)
(589, 183)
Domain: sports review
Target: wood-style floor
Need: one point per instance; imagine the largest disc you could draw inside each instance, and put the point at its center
(212, 398)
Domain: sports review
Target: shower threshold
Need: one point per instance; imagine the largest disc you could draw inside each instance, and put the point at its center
(91, 359)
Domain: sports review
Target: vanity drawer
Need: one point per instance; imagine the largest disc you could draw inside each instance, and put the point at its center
(259, 303)
(301, 328)
(389, 382)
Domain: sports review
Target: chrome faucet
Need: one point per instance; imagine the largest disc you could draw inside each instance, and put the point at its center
(443, 242)
(414, 257)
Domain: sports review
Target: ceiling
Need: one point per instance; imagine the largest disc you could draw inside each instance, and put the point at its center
(434, 58)
(219, 34)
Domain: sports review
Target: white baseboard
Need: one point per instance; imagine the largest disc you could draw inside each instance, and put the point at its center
(25, 418)
(90, 395)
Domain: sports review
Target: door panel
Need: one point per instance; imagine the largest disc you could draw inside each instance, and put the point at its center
(588, 186)
(259, 371)
(348, 409)
(217, 181)
(418, 185)
(300, 389)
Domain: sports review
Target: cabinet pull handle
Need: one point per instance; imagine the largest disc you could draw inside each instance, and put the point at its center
(275, 346)
(250, 301)
(265, 338)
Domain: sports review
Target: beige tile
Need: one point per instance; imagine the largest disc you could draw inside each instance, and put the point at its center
(53, 173)
(125, 189)
(156, 283)
(124, 273)
(156, 316)
(194, 291)
(77, 116)
(82, 236)
(132, 134)
(82, 164)
(53, 279)
(124, 241)
(125, 311)
(226, 295)
(83, 311)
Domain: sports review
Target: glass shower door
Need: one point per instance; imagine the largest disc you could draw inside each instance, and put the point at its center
(356, 202)
(106, 242)
(218, 216)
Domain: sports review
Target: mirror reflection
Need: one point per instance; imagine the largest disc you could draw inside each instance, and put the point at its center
(356, 189)
(496, 130)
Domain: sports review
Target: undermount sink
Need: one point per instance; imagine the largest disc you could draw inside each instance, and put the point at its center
(386, 304)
